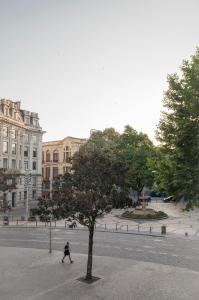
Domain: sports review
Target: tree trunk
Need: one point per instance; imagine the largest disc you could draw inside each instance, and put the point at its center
(90, 253)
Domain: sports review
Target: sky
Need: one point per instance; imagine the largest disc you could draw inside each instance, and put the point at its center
(93, 64)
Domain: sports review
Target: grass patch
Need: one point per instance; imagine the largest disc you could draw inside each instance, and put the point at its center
(144, 214)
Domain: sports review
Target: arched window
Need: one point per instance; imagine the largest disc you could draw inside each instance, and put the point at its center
(47, 156)
(55, 156)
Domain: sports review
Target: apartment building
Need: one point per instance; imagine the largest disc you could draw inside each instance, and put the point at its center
(56, 160)
(21, 152)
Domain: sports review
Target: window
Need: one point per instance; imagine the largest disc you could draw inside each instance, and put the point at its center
(47, 173)
(20, 165)
(20, 180)
(19, 196)
(26, 138)
(14, 147)
(34, 180)
(67, 154)
(14, 164)
(5, 163)
(42, 156)
(20, 149)
(34, 154)
(13, 133)
(13, 199)
(47, 156)
(5, 131)
(26, 150)
(5, 147)
(55, 172)
(34, 165)
(25, 195)
(27, 120)
(35, 122)
(55, 156)
(34, 139)
(34, 194)
(43, 172)
(66, 169)
(26, 165)
(10, 112)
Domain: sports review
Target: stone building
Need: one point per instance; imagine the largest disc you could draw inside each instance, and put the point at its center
(21, 152)
(56, 160)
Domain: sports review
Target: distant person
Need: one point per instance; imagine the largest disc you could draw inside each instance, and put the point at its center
(67, 253)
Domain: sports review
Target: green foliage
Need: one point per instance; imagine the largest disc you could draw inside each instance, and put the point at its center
(135, 150)
(130, 152)
(178, 132)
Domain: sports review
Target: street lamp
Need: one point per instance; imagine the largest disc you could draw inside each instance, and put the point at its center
(27, 180)
(50, 234)
(154, 183)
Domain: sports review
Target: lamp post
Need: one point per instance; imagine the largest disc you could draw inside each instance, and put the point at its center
(27, 180)
(50, 234)
(154, 184)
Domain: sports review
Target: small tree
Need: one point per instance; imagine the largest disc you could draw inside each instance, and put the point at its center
(86, 193)
(7, 183)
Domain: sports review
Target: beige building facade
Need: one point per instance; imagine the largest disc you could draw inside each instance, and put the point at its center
(56, 160)
(21, 152)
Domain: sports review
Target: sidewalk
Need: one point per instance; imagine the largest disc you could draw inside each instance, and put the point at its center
(29, 274)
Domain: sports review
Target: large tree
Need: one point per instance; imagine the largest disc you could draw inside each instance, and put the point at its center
(178, 132)
(135, 149)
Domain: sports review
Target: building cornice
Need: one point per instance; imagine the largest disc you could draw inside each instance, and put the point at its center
(19, 124)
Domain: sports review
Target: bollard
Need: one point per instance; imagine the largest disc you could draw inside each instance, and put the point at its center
(105, 226)
(116, 226)
(65, 224)
(36, 222)
(55, 223)
(17, 221)
(150, 229)
(127, 227)
(163, 229)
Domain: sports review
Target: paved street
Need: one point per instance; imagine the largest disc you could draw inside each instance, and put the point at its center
(180, 252)
(130, 267)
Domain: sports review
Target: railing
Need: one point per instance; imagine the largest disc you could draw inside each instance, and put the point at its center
(105, 227)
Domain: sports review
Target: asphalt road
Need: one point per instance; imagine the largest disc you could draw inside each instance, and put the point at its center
(180, 252)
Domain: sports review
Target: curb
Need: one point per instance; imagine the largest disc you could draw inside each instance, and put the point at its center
(82, 229)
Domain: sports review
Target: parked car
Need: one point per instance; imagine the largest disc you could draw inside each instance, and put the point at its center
(168, 199)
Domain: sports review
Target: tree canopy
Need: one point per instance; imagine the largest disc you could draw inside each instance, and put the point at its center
(178, 132)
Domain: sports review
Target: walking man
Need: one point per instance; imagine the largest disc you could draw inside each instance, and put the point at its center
(67, 253)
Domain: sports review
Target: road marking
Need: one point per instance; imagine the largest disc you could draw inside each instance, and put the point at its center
(152, 251)
(148, 247)
(162, 253)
